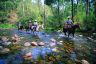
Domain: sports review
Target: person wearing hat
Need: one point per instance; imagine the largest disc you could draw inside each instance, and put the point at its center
(69, 22)
(35, 25)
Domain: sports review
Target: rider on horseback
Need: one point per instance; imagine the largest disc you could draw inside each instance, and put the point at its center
(69, 22)
(34, 26)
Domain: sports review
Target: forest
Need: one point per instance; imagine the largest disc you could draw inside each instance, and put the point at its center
(51, 13)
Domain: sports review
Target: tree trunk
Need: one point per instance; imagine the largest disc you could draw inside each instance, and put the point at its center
(72, 11)
(39, 6)
(59, 13)
(23, 8)
(87, 8)
(44, 16)
(95, 7)
(77, 6)
(58, 7)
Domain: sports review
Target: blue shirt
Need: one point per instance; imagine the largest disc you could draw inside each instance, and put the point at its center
(69, 21)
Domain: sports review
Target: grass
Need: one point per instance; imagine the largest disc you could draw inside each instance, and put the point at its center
(7, 26)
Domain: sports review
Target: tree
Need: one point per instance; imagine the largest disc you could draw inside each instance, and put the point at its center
(95, 7)
(72, 3)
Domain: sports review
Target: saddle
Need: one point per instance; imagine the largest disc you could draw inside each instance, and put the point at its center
(69, 26)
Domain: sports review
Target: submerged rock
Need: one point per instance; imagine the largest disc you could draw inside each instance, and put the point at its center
(27, 44)
(54, 49)
(5, 50)
(80, 35)
(41, 44)
(7, 43)
(85, 62)
(27, 56)
(15, 38)
(1, 47)
(5, 39)
(94, 33)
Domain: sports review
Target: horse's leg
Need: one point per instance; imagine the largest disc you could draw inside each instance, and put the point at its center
(18, 28)
(32, 30)
(64, 30)
(73, 34)
(68, 34)
(65, 33)
(26, 29)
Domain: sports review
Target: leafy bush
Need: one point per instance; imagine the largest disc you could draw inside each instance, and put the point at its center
(7, 26)
(90, 23)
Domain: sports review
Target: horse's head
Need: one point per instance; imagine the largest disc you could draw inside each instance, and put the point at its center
(76, 26)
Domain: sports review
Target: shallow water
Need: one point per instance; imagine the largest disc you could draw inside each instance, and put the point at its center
(82, 45)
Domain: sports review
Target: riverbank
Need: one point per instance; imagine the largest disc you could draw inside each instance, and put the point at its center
(7, 26)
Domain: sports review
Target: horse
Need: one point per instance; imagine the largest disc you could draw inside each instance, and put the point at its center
(31, 28)
(20, 27)
(70, 30)
(34, 28)
(27, 28)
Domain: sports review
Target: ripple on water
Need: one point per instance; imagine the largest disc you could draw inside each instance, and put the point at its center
(37, 51)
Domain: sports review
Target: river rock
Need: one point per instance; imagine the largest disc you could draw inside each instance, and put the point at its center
(84, 61)
(27, 44)
(54, 49)
(1, 47)
(5, 50)
(41, 44)
(52, 44)
(94, 33)
(80, 35)
(53, 40)
(34, 43)
(15, 38)
(27, 56)
(7, 43)
(5, 39)
(60, 43)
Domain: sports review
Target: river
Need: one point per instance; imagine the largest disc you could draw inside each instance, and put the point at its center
(82, 46)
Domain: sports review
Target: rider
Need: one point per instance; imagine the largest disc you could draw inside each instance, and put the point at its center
(35, 25)
(30, 24)
(69, 22)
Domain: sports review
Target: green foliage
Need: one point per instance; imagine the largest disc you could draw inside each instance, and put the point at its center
(49, 2)
(89, 22)
(6, 7)
(54, 16)
(7, 26)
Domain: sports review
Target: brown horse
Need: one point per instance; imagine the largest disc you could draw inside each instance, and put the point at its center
(70, 30)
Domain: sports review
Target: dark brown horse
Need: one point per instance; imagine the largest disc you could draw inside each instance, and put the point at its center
(21, 27)
(70, 30)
